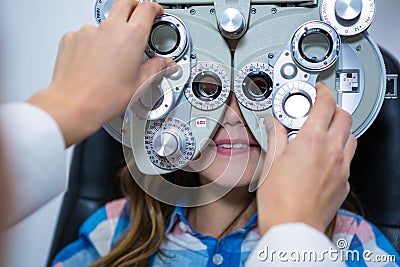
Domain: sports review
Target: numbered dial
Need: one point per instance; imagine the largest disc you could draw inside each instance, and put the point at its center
(102, 9)
(253, 86)
(169, 144)
(208, 87)
(348, 17)
(292, 103)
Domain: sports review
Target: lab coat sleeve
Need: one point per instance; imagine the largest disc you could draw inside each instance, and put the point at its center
(34, 156)
(294, 244)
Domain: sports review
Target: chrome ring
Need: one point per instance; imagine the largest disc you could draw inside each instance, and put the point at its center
(312, 63)
(215, 101)
(248, 100)
(178, 28)
(288, 90)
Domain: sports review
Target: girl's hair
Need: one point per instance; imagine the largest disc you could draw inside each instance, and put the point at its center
(148, 220)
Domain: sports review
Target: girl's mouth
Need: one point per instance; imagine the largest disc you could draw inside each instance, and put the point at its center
(238, 146)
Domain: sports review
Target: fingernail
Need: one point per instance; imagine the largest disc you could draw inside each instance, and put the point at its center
(172, 67)
(269, 122)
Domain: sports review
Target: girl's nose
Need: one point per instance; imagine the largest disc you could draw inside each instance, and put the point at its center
(233, 115)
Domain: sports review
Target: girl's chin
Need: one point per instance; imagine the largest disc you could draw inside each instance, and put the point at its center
(232, 177)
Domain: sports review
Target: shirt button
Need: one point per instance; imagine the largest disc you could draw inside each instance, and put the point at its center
(218, 259)
(182, 226)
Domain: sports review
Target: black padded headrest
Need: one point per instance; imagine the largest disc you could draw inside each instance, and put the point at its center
(93, 181)
(95, 166)
(375, 169)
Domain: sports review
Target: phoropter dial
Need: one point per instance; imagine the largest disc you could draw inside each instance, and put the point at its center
(253, 86)
(208, 87)
(348, 17)
(169, 144)
(102, 9)
(292, 103)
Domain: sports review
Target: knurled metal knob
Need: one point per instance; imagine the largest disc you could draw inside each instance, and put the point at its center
(348, 9)
(166, 143)
(232, 23)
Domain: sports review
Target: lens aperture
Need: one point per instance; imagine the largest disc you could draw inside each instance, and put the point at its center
(297, 105)
(257, 86)
(315, 45)
(168, 38)
(207, 86)
(164, 38)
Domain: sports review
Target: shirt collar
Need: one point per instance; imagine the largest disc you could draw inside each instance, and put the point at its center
(179, 216)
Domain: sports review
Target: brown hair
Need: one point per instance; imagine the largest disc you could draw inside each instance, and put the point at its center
(148, 218)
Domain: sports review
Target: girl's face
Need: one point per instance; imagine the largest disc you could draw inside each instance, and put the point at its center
(232, 156)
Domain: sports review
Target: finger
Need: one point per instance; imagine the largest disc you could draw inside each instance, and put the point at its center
(341, 125)
(122, 10)
(156, 67)
(322, 112)
(277, 137)
(144, 15)
(277, 141)
(65, 52)
(350, 149)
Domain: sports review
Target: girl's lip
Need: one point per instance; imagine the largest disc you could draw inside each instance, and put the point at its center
(234, 151)
(235, 141)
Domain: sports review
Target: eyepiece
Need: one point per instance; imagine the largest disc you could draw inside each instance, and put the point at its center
(257, 86)
(315, 46)
(253, 86)
(207, 86)
(168, 38)
(164, 38)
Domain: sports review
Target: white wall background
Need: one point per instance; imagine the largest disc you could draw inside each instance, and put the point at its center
(29, 35)
(386, 27)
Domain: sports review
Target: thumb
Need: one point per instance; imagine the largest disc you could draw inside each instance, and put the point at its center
(277, 137)
(155, 68)
(277, 141)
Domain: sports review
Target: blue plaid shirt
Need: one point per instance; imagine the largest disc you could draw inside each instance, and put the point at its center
(186, 247)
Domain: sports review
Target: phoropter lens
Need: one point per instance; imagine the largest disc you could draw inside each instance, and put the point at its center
(297, 105)
(315, 45)
(257, 86)
(207, 86)
(164, 38)
(168, 38)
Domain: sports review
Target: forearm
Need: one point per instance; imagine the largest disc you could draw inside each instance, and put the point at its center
(72, 113)
(33, 150)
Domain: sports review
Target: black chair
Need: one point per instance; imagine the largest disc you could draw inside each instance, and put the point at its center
(93, 181)
(375, 170)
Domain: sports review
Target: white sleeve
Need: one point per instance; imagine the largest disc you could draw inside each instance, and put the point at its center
(294, 244)
(33, 150)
